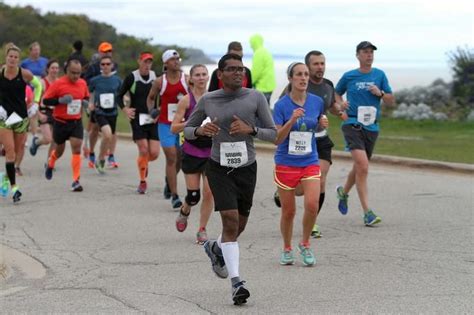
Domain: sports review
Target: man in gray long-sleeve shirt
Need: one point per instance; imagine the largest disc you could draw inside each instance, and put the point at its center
(232, 169)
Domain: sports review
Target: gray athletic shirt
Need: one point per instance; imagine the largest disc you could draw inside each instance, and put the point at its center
(247, 104)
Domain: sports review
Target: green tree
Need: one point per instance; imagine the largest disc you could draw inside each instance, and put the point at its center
(462, 65)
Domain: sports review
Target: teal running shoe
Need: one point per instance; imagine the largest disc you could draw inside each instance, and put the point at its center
(307, 255)
(5, 184)
(370, 218)
(287, 257)
(343, 198)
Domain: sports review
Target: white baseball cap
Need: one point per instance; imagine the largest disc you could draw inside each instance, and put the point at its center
(168, 54)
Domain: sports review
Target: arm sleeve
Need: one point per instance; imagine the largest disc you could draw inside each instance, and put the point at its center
(268, 130)
(214, 84)
(38, 89)
(124, 88)
(195, 120)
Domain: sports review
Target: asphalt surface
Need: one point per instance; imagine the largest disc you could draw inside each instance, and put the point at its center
(110, 250)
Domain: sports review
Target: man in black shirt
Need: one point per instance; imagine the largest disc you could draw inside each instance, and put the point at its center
(144, 129)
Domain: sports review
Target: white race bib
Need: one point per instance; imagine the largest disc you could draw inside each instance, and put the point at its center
(13, 119)
(366, 115)
(300, 142)
(107, 100)
(234, 154)
(172, 108)
(145, 119)
(74, 108)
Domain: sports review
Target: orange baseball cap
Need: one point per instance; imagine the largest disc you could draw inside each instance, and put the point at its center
(146, 56)
(105, 47)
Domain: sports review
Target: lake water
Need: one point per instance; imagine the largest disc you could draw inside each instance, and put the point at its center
(400, 75)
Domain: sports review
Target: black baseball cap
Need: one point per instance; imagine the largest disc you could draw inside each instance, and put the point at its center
(364, 45)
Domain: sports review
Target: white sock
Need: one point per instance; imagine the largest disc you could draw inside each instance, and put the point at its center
(230, 251)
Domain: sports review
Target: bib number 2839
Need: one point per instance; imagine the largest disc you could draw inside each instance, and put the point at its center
(233, 154)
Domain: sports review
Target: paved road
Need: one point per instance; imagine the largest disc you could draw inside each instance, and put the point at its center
(108, 249)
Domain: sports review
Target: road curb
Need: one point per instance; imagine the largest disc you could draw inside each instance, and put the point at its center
(463, 168)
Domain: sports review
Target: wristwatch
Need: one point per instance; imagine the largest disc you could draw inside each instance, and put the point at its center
(254, 132)
(382, 93)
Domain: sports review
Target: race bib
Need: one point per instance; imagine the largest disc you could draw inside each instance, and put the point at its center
(145, 119)
(13, 119)
(74, 108)
(172, 108)
(107, 100)
(300, 143)
(366, 115)
(234, 154)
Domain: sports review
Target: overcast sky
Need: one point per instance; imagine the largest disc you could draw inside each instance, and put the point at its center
(404, 30)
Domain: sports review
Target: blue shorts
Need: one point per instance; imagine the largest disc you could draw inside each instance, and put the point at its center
(167, 138)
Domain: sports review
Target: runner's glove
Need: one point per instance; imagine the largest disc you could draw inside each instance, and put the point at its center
(33, 110)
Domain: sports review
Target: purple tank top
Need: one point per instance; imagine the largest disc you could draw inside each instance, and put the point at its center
(187, 147)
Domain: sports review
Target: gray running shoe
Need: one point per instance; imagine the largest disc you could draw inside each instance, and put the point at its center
(218, 263)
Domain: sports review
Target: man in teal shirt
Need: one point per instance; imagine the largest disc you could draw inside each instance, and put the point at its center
(366, 87)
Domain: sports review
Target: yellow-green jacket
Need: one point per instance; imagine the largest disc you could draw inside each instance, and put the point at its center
(263, 70)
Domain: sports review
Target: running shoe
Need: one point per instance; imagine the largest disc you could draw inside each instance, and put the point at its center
(201, 236)
(34, 146)
(217, 261)
(100, 167)
(276, 198)
(16, 194)
(48, 171)
(111, 162)
(5, 184)
(166, 191)
(240, 294)
(182, 221)
(307, 256)
(370, 218)
(287, 257)
(343, 198)
(142, 187)
(91, 162)
(316, 233)
(176, 202)
(18, 171)
(76, 186)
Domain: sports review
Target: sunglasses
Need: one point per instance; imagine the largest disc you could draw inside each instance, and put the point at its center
(234, 69)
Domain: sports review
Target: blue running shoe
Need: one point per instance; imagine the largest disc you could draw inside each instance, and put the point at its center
(176, 202)
(343, 198)
(16, 194)
(34, 146)
(217, 261)
(48, 172)
(76, 186)
(370, 218)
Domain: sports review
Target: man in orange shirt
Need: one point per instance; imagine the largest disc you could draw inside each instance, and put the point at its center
(68, 95)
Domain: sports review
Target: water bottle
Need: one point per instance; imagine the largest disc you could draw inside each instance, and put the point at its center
(5, 183)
